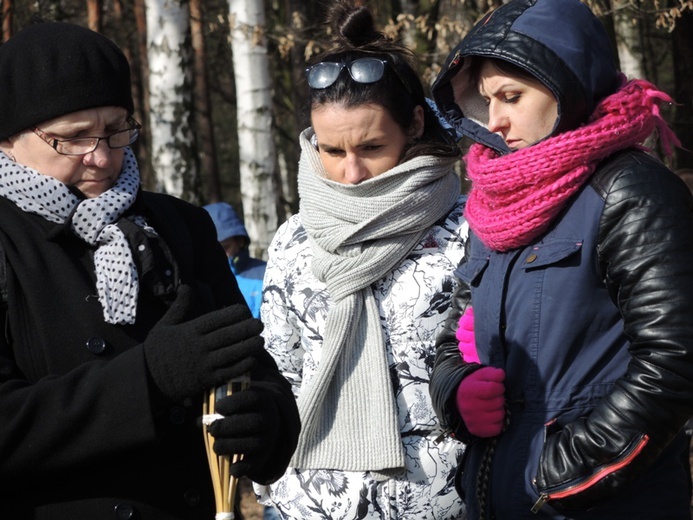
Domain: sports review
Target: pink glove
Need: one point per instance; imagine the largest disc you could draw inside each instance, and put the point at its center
(465, 336)
(481, 403)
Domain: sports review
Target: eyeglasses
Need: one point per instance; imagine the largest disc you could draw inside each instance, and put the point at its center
(362, 70)
(85, 145)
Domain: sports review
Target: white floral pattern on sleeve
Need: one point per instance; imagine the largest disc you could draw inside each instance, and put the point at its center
(414, 300)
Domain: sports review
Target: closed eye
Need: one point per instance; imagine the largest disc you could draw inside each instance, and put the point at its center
(505, 98)
(334, 152)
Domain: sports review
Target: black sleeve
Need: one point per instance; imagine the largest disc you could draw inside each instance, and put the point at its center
(646, 254)
(449, 368)
(267, 379)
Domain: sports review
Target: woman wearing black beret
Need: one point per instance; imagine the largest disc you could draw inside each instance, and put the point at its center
(119, 310)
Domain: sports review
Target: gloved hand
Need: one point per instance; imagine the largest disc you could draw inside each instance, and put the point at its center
(465, 336)
(187, 357)
(481, 402)
(250, 427)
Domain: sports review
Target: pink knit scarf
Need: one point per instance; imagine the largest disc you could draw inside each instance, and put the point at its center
(515, 197)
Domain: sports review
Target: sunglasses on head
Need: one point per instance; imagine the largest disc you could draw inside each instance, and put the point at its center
(362, 70)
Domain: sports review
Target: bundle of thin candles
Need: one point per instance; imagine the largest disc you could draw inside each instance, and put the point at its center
(223, 482)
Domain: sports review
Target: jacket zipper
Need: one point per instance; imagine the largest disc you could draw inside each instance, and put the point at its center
(447, 432)
(583, 484)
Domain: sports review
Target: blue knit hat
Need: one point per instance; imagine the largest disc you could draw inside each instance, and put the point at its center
(226, 221)
(55, 68)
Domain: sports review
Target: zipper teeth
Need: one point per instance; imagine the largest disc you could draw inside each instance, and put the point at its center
(601, 473)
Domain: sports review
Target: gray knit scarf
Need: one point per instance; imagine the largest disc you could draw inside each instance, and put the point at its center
(94, 220)
(358, 234)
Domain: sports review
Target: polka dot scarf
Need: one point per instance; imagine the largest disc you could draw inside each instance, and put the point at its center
(93, 220)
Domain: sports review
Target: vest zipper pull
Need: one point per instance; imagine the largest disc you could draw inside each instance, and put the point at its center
(442, 436)
(539, 503)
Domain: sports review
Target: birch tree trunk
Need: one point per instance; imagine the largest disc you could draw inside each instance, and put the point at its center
(173, 153)
(257, 153)
(629, 45)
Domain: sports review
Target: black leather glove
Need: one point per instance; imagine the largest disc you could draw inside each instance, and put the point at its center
(187, 357)
(251, 426)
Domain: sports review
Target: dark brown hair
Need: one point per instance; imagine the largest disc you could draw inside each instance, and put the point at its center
(352, 35)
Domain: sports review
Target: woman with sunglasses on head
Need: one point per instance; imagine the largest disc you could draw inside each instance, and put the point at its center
(118, 308)
(579, 266)
(358, 284)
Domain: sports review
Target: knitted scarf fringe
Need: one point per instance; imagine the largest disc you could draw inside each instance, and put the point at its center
(515, 197)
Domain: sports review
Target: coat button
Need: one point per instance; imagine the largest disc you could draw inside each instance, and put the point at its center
(177, 415)
(96, 345)
(531, 258)
(192, 497)
(124, 511)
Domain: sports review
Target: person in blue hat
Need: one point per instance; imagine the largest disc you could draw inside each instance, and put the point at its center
(233, 237)
(249, 271)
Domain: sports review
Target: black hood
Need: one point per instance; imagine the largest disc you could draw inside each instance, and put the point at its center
(560, 42)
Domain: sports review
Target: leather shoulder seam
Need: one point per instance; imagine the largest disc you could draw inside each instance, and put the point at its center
(612, 167)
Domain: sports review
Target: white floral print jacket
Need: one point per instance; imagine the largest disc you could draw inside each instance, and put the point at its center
(414, 301)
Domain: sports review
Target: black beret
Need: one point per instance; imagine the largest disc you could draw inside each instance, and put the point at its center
(55, 68)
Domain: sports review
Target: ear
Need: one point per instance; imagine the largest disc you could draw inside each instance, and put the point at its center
(7, 146)
(417, 124)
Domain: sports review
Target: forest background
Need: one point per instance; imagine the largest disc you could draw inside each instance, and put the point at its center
(220, 91)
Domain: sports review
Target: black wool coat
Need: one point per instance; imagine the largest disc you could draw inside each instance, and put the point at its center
(83, 433)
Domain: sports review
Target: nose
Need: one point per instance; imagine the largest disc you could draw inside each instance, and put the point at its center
(100, 157)
(497, 118)
(355, 170)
